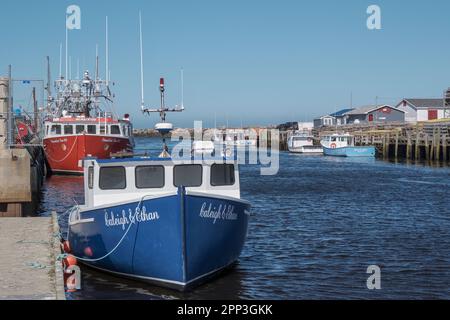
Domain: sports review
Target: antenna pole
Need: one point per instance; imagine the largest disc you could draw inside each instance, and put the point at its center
(78, 69)
(96, 63)
(60, 60)
(107, 52)
(142, 61)
(49, 90)
(67, 52)
(182, 88)
(351, 99)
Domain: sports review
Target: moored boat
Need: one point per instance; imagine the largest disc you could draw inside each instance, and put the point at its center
(171, 222)
(343, 145)
(79, 127)
(174, 222)
(168, 222)
(68, 140)
(303, 143)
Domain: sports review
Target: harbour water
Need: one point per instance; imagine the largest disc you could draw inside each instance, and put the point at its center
(315, 228)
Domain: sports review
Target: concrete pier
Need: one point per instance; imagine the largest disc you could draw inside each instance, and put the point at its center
(22, 169)
(28, 266)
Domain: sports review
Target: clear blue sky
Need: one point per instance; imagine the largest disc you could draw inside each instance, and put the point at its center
(263, 61)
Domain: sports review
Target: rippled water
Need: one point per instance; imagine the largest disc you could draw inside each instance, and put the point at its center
(315, 228)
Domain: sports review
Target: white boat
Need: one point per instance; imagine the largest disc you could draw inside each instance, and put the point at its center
(303, 143)
(343, 145)
(240, 139)
(203, 147)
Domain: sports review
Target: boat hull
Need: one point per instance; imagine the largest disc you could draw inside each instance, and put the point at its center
(176, 241)
(306, 150)
(350, 152)
(65, 154)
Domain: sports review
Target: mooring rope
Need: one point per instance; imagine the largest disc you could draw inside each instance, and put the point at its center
(120, 241)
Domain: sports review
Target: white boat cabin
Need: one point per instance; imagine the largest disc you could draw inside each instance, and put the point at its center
(118, 180)
(58, 128)
(298, 141)
(338, 141)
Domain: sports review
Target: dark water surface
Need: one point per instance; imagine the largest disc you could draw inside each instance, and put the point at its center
(314, 230)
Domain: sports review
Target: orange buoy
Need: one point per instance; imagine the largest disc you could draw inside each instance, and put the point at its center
(70, 261)
(88, 252)
(66, 246)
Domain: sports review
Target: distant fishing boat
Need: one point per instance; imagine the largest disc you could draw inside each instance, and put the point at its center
(240, 139)
(203, 147)
(79, 128)
(343, 145)
(303, 143)
(81, 121)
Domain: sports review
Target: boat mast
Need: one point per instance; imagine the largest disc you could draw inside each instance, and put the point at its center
(67, 52)
(142, 62)
(96, 63)
(60, 60)
(164, 128)
(182, 88)
(49, 86)
(107, 53)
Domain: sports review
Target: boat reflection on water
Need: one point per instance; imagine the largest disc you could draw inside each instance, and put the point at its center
(66, 190)
(99, 285)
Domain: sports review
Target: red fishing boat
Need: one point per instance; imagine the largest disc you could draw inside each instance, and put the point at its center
(79, 127)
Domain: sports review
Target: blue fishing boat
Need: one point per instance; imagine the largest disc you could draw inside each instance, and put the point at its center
(171, 221)
(343, 145)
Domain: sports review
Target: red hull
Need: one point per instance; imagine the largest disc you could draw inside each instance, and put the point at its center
(65, 153)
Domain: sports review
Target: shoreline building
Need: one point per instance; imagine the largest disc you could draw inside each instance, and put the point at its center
(375, 114)
(417, 110)
(363, 115)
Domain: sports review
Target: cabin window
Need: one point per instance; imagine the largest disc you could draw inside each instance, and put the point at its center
(149, 177)
(333, 139)
(115, 129)
(91, 177)
(102, 129)
(92, 129)
(187, 175)
(79, 129)
(222, 175)
(47, 128)
(56, 129)
(68, 129)
(113, 178)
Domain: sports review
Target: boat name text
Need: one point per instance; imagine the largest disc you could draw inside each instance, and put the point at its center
(223, 212)
(126, 217)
